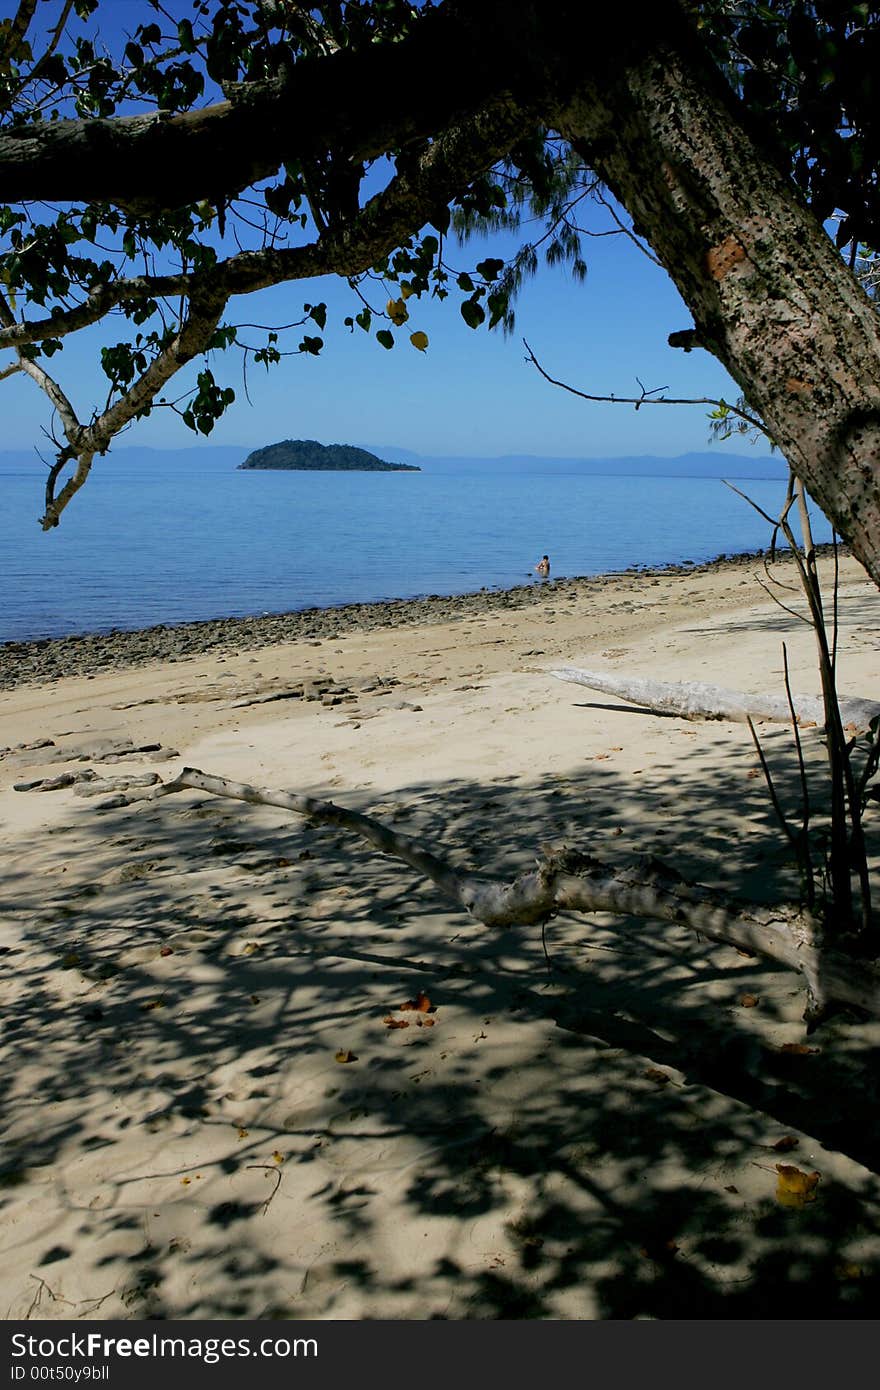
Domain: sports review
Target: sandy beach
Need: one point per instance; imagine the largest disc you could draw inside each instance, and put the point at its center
(211, 1106)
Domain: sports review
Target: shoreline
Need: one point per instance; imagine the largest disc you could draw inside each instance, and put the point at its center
(38, 660)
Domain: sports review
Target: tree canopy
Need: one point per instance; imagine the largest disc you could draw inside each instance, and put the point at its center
(152, 178)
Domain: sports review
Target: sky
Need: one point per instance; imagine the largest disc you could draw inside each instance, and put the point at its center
(472, 393)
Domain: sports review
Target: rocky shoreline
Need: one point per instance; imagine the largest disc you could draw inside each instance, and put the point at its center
(49, 659)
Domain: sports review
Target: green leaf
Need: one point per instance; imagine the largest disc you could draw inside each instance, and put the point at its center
(497, 306)
(490, 269)
(186, 37)
(440, 219)
(385, 338)
(472, 313)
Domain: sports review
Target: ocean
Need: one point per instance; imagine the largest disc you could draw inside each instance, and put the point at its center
(154, 539)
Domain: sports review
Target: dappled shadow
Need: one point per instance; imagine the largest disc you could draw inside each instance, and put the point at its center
(582, 1126)
(861, 614)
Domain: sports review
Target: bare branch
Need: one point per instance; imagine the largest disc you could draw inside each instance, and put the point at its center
(37, 70)
(777, 806)
(627, 231)
(569, 881)
(804, 856)
(646, 398)
(46, 383)
(194, 336)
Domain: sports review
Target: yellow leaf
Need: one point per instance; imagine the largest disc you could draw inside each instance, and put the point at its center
(419, 340)
(342, 1056)
(406, 290)
(278, 1157)
(242, 1132)
(794, 1188)
(397, 312)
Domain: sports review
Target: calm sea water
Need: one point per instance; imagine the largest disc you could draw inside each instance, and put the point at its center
(165, 545)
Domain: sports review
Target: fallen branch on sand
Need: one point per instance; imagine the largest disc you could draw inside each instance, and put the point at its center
(695, 700)
(569, 881)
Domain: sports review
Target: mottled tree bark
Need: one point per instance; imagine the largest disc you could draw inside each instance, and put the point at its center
(770, 296)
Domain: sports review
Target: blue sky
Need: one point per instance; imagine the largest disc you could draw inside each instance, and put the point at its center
(470, 393)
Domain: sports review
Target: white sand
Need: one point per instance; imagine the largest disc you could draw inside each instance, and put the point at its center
(586, 1136)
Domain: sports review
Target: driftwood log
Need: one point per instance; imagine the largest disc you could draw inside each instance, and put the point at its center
(696, 700)
(568, 881)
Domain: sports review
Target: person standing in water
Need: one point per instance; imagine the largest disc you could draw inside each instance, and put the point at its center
(543, 567)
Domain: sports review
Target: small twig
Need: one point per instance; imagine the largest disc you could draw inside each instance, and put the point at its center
(835, 602)
(38, 1296)
(777, 522)
(277, 1175)
(771, 788)
(804, 857)
(627, 231)
(778, 601)
(771, 578)
(646, 398)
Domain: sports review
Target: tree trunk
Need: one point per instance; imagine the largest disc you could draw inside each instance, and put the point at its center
(770, 296)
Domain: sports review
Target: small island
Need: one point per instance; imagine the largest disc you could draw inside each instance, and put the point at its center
(309, 454)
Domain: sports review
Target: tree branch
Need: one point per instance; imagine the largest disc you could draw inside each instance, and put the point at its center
(19, 26)
(445, 168)
(194, 336)
(572, 882)
(360, 104)
(646, 398)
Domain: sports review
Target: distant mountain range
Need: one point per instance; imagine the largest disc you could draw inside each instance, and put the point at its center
(309, 454)
(220, 457)
(708, 464)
